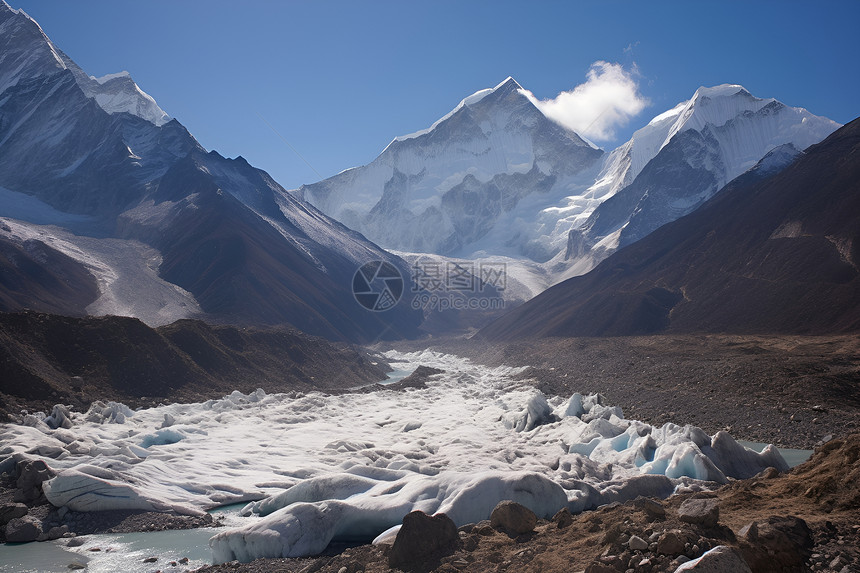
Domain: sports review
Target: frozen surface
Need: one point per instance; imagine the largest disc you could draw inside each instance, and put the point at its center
(317, 467)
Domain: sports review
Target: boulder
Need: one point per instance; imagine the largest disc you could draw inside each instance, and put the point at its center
(720, 559)
(704, 512)
(776, 544)
(562, 518)
(54, 533)
(9, 511)
(423, 538)
(636, 543)
(513, 518)
(652, 507)
(31, 474)
(23, 530)
(670, 543)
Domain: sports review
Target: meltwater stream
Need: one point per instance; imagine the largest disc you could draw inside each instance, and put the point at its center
(355, 463)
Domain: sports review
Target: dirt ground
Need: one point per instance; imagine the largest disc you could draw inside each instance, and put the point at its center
(791, 391)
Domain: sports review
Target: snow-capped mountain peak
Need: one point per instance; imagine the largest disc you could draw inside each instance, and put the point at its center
(506, 87)
(25, 50)
(714, 108)
(117, 93)
(464, 179)
(715, 105)
(682, 158)
(26, 53)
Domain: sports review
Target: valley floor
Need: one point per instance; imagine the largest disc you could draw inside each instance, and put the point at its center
(791, 391)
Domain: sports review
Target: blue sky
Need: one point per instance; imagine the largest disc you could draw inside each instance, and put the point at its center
(339, 80)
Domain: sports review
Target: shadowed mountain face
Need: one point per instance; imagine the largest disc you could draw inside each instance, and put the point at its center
(33, 275)
(101, 162)
(777, 254)
(48, 358)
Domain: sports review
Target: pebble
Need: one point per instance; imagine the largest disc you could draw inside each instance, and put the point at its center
(636, 543)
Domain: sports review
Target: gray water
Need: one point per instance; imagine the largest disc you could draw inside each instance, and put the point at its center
(792, 457)
(398, 374)
(119, 552)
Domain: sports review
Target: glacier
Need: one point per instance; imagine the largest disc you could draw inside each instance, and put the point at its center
(312, 467)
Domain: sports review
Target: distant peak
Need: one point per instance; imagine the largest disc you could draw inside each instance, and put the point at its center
(108, 77)
(508, 86)
(509, 83)
(722, 90)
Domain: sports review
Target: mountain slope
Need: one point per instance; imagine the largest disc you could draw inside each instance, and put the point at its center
(34, 275)
(682, 158)
(777, 254)
(99, 160)
(466, 181)
(46, 359)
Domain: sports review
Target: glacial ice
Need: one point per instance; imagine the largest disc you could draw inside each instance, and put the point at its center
(313, 468)
(94, 488)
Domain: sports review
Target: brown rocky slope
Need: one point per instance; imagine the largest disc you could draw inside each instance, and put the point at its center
(48, 359)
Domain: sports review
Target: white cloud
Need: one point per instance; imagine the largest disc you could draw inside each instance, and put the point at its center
(607, 100)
